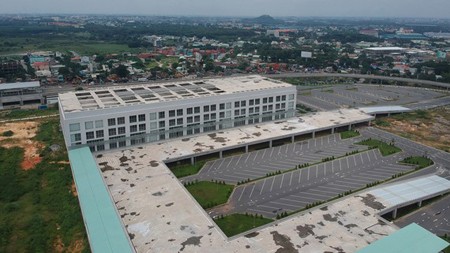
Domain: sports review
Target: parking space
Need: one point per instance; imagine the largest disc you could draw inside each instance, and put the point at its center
(259, 163)
(362, 95)
(294, 190)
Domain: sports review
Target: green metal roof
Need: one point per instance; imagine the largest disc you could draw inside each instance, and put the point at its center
(410, 239)
(103, 225)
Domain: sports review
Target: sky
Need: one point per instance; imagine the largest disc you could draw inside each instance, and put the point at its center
(277, 8)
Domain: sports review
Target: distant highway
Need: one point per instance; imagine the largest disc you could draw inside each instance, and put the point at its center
(54, 90)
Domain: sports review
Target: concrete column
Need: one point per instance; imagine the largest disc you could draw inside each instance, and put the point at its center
(314, 134)
(270, 143)
(420, 203)
(389, 114)
(369, 123)
(220, 154)
(192, 160)
(394, 213)
(292, 138)
(349, 127)
(332, 130)
(246, 148)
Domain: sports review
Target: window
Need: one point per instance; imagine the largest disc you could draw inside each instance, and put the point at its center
(133, 129)
(291, 96)
(189, 119)
(141, 127)
(283, 98)
(189, 110)
(243, 103)
(228, 105)
(270, 107)
(112, 131)
(133, 119)
(291, 105)
(99, 133)
(264, 100)
(98, 123)
(121, 130)
(120, 120)
(277, 106)
(141, 117)
(88, 125)
(236, 104)
(278, 99)
(89, 135)
(228, 114)
(236, 112)
(271, 100)
(197, 109)
(213, 116)
(100, 147)
(257, 101)
(256, 109)
(113, 145)
(197, 118)
(206, 117)
(264, 108)
(250, 110)
(74, 127)
(180, 112)
(161, 115)
(242, 111)
(221, 115)
(75, 137)
(283, 105)
(213, 107)
(172, 113)
(152, 116)
(222, 106)
(251, 102)
(153, 125)
(111, 122)
(180, 121)
(172, 122)
(206, 108)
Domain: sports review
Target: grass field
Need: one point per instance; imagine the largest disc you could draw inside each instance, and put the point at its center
(22, 113)
(385, 149)
(187, 169)
(349, 134)
(209, 194)
(39, 212)
(237, 223)
(419, 161)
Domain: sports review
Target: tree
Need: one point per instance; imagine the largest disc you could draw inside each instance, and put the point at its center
(121, 71)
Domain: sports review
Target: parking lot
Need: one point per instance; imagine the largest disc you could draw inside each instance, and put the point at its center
(363, 95)
(258, 163)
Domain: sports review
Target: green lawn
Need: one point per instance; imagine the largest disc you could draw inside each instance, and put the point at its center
(24, 113)
(419, 161)
(237, 223)
(209, 194)
(349, 134)
(187, 169)
(385, 149)
(37, 206)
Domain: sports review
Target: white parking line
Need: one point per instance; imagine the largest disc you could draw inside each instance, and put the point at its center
(290, 181)
(265, 150)
(340, 164)
(362, 162)
(284, 204)
(299, 175)
(240, 196)
(251, 193)
(282, 178)
(368, 156)
(317, 171)
(308, 173)
(354, 159)
(272, 184)
(293, 200)
(231, 159)
(262, 188)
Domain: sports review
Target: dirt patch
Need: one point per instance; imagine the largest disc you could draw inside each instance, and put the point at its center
(369, 200)
(76, 246)
(154, 163)
(73, 189)
(58, 245)
(251, 235)
(328, 217)
(24, 131)
(257, 134)
(284, 241)
(123, 159)
(194, 240)
(306, 230)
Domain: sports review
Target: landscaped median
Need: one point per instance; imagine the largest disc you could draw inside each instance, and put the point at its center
(234, 224)
(187, 169)
(385, 149)
(349, 134)
(209, 194)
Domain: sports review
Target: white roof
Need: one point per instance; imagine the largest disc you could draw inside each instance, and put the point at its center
(385, 48)
(384, 109)
(404, 192)
(19, 85)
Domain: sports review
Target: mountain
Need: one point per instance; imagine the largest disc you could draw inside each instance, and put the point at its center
(263, 20)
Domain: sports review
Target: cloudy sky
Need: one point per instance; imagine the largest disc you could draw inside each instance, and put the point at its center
(334, 8)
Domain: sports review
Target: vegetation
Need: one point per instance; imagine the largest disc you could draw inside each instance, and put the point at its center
(38, 209)
(237, 223)
(349, 134)
(187, 169)
(385, 149)
(447, 238)
(8, 133)
(419, 161)
(210, 194)
(382, 123)
(22, 113)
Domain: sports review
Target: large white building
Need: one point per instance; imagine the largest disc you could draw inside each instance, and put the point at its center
(113, 117)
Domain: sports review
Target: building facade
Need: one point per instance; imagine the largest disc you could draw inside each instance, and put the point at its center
(21, 93)
(121, 116)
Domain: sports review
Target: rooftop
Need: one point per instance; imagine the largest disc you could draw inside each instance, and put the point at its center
(160, 92)
(410, 239)
(19, 85)
(384, 109)
(385, 48)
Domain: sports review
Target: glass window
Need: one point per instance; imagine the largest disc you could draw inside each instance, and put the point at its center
(197, 118)
(206, 108)
(256, 109)
(141, 127)
(161, 115)
(271, 100)
(180, 121)
(291, 105)
(189, 119)
(121, 130)
(291, 96)
(222, 106)
(250, 110)
(197, 109)
(270, 107)
(283, 98)
(213, 107)
(236, 104)
(141, 117)
(251, 102)
(264, 108)
(213, 116)
(99, 133)
(180, 112)
(264, 100)
(153, 125)
(278, 99)
(88, 125)
(90, 135)
(221, 115)
(133, 119)
(120, 120)
(243, 103)
(75, 137)
(228, 114)
(152, 116)
(133, 129)
(74, 127)
(172, 113)
(112, 131)
(228, 105)
(98, 123)
(111, 122)
(242, 111)
(172, 122)
(206, 117)
(257, 101)
(189, 110)
(236, 112)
